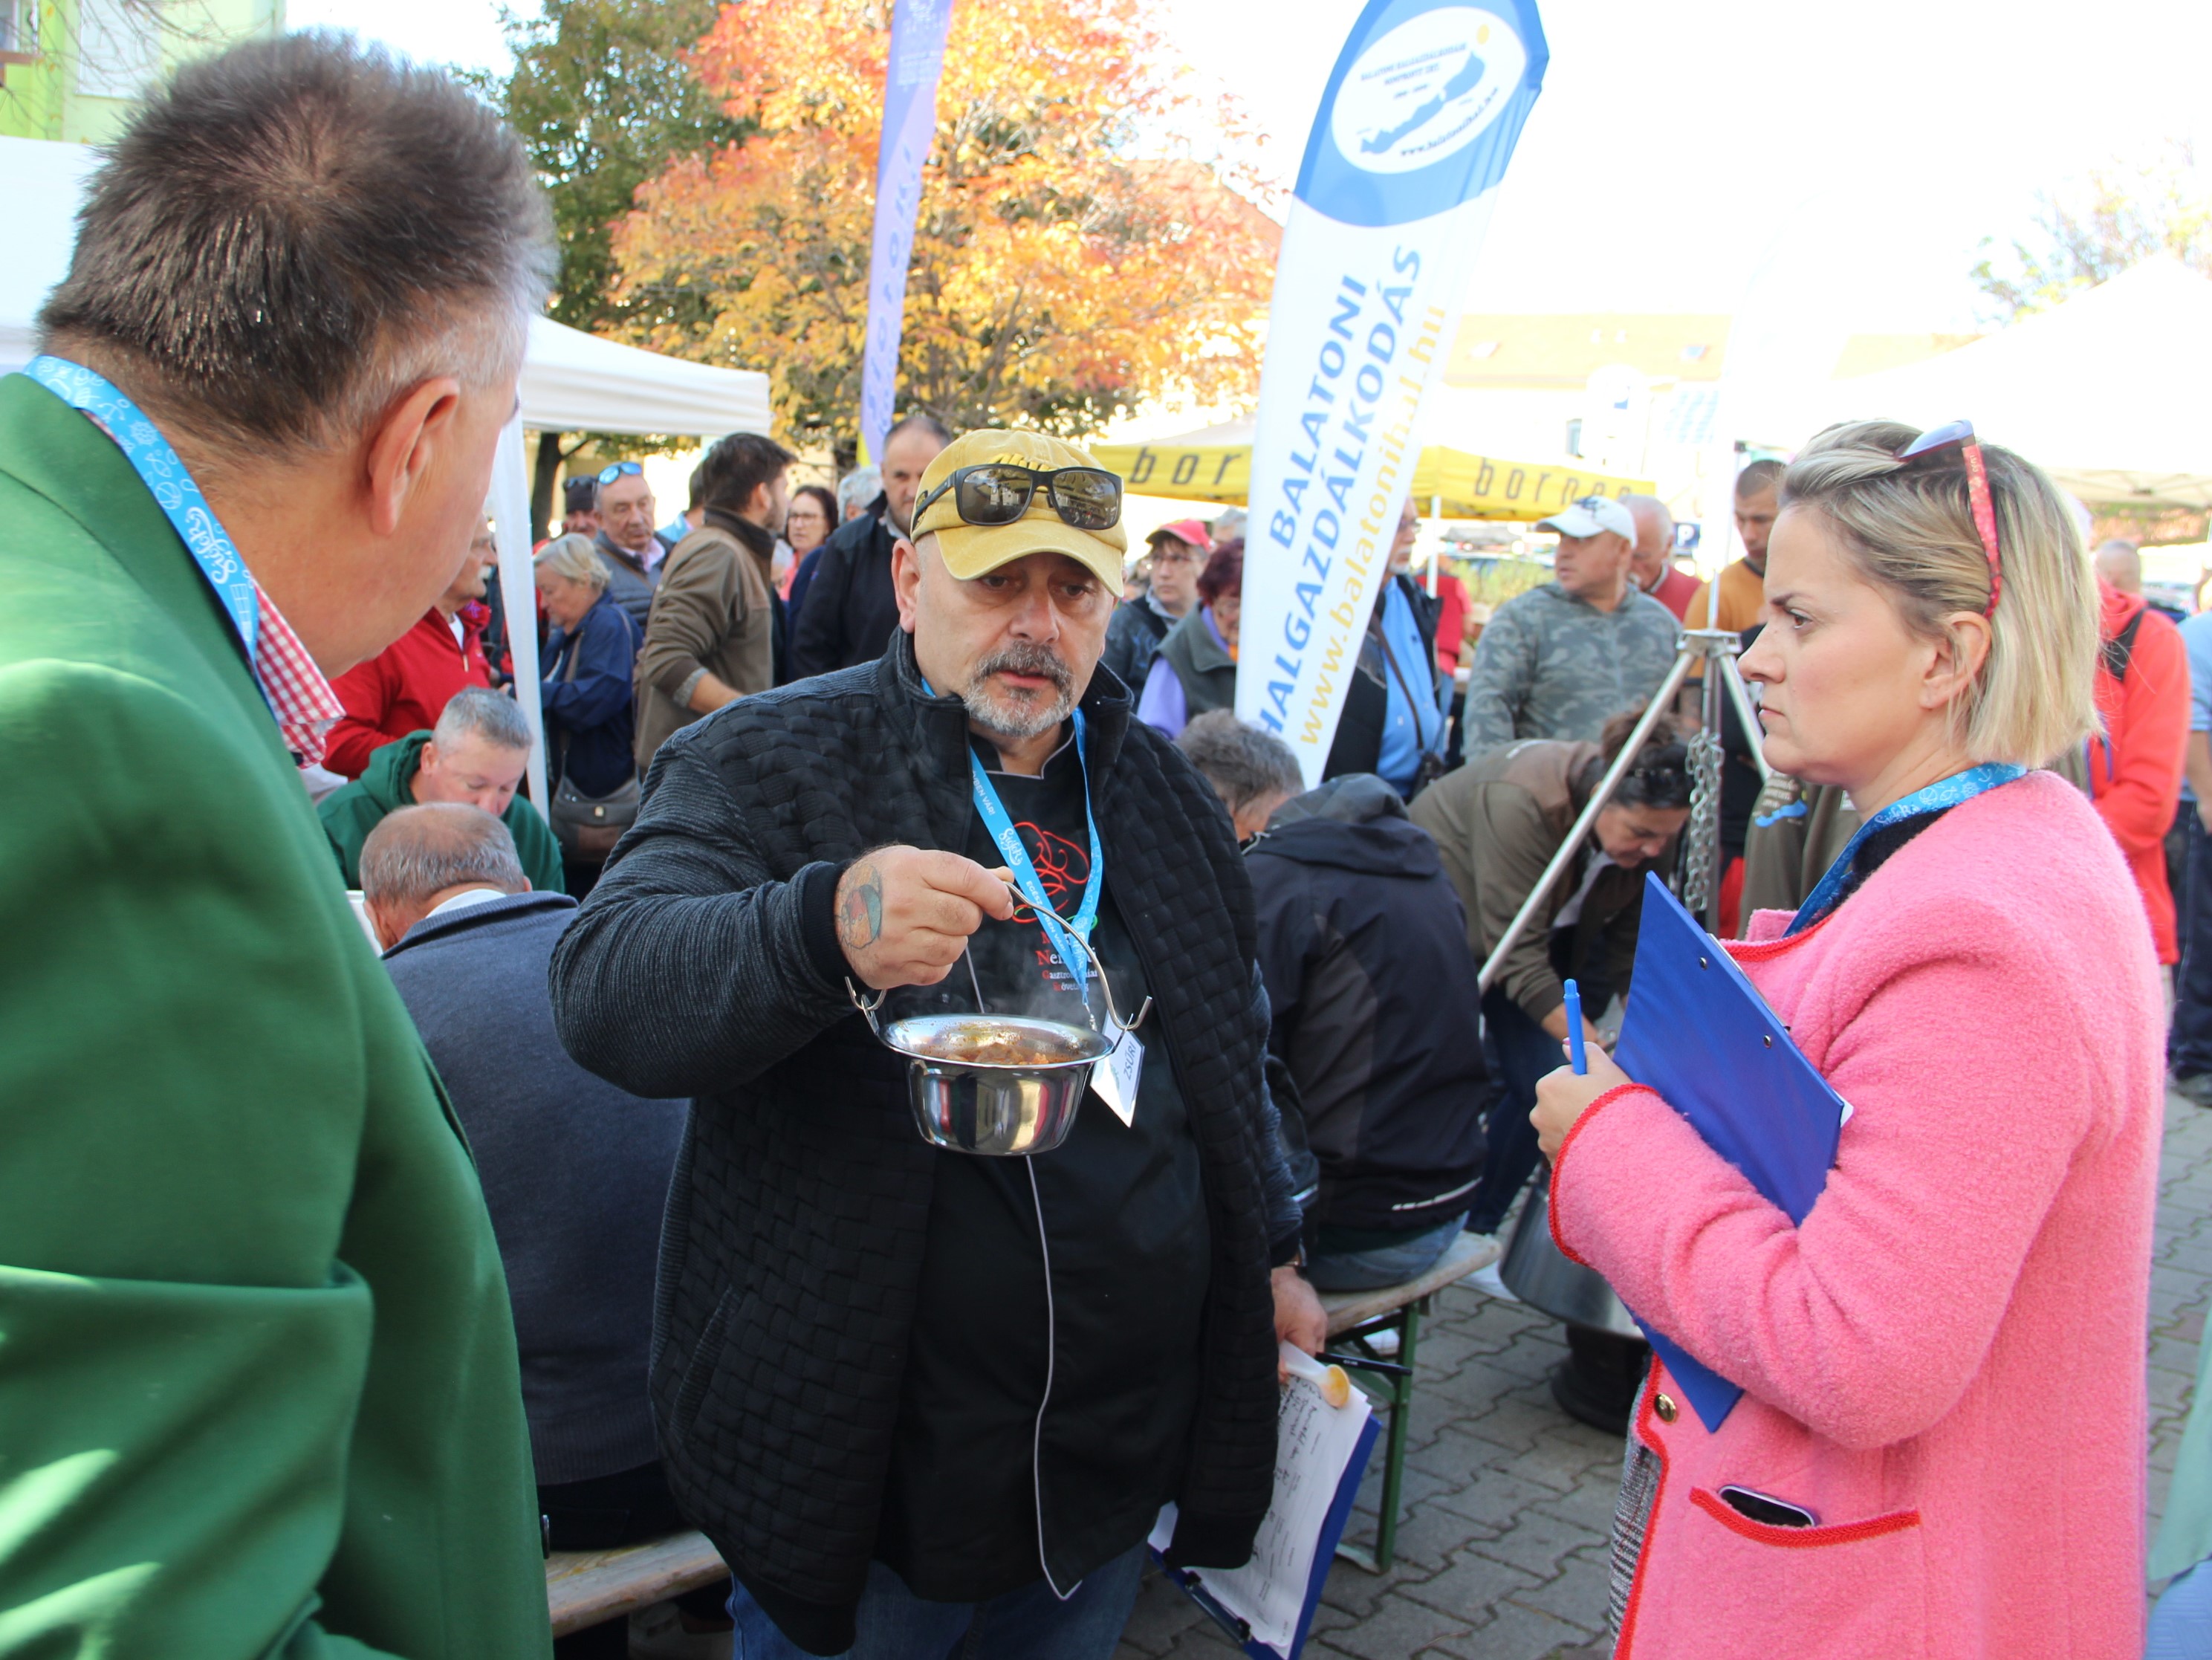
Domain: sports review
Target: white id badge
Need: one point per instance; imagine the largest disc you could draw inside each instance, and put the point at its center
(1114, 1074)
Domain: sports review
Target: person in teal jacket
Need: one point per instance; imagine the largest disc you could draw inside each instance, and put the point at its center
(474, 759)
(258, 1393)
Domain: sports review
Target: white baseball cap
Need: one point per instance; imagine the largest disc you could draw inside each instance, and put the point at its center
(1587, 515)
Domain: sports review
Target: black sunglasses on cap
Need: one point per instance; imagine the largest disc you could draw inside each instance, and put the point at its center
(1000, 492)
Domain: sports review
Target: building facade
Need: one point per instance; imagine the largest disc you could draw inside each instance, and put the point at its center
(70, 69)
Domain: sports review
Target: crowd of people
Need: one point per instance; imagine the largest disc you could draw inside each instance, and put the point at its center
(336, 1286)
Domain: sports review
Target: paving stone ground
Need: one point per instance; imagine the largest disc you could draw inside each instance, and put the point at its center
(1501, 1553)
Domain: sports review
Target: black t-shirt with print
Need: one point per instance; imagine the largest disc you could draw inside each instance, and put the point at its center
(1124, 1217)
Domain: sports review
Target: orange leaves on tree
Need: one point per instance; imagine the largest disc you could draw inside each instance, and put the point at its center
(1071, 256)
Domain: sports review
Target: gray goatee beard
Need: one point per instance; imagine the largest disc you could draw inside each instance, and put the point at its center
(1019, 718)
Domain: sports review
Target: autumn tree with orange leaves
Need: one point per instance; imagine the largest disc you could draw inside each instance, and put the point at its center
(1070, 258)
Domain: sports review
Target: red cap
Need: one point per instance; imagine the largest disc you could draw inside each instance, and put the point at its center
(1192, 531)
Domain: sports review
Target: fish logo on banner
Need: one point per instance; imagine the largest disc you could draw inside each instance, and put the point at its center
(1415, 128)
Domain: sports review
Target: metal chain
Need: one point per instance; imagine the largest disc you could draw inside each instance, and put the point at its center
(1703, 841)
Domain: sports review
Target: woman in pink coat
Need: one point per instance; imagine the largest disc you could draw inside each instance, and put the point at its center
(1940, 1447)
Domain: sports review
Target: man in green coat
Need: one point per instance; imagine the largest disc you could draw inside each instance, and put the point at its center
(474, 759)
(258, 1393)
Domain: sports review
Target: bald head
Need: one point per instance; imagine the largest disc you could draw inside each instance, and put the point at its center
(417, 858)
(2120, 563)
(1654, 539)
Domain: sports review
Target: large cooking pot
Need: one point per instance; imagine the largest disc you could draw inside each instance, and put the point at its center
(1537, 1273)
(996, 1085)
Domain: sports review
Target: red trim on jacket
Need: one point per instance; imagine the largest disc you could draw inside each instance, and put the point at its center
(1551, 1209)
(1766, 1533)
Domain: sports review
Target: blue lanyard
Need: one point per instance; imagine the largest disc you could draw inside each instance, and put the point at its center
(1066, 937)
(1944, 794)
(163, 473)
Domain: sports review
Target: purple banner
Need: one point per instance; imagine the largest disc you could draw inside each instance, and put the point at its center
(910, 124)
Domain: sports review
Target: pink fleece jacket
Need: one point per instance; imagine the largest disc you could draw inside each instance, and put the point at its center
(1945, 1362)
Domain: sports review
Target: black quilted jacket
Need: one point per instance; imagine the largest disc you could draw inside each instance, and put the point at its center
(801, 1202)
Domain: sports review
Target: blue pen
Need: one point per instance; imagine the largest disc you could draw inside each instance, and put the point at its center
(1579, 1060)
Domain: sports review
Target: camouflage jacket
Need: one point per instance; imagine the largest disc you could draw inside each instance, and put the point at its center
(1550, 666)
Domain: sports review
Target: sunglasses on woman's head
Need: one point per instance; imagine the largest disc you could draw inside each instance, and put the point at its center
(1000, 492)
(1934, 441)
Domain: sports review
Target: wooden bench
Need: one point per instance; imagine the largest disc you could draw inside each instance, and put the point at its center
(583, 1588)
(1357, 1318)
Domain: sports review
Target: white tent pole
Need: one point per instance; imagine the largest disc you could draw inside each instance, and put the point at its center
(1436, 553)
(517, 592)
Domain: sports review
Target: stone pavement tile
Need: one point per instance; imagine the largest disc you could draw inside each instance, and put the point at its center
(1162, 1615)
(1493, 1502)
(1590, 1505)
(1519, 1421)
(1580, 1593)
(1470, 1585)
(2174, 1355)
(1351, 1593)
(1564, 1461)
(1537, 1543)
(1428, 1535)
(1475, 1387)
(1398, 1626)
(1519, 1633)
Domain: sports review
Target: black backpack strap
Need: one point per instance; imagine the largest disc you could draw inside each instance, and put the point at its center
(2120, 651)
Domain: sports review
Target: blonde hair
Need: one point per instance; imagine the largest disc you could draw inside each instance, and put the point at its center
(1909, 528)
(574, 558)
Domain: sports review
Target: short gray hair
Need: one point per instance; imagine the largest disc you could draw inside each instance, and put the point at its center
(489, 715)
(574, 556)
(1243, 764)
(857, 488)
(416, 851)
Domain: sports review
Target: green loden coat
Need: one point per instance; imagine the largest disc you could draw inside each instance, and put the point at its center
(257, 1383)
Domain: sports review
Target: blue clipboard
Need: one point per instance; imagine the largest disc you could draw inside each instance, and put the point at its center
(1340, 1512)
(1698, 1032)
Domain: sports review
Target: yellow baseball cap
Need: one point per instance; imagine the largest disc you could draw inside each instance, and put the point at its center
(969, 551)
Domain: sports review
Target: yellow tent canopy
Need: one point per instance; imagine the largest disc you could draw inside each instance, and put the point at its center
(1215, 465)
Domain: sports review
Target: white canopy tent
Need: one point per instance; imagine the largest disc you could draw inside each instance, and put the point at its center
(571, 381)
(2107, 392)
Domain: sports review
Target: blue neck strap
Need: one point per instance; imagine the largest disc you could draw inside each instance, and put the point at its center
(1067, 936)
(163, 473)
(1947, 793)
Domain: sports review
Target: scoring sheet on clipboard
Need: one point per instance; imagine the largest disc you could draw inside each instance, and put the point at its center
(1314, 1443)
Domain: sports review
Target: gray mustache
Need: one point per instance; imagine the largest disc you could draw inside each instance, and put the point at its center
(1027, 660)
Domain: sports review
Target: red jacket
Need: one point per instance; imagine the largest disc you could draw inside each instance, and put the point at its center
(404, 688)
(2135, 768)
(1675, 591)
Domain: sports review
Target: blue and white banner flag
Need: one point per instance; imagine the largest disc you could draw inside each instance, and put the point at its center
(917, 53)
(1415, 128)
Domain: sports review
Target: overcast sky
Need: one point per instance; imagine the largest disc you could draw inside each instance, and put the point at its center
(1846, 158)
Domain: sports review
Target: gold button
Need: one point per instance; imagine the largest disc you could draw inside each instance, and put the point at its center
(1664, 1404)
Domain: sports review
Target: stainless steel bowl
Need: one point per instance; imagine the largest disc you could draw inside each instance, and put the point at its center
(1535, 1272)
(995, 1108)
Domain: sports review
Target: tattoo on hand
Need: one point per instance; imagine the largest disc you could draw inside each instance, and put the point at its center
(860, 912)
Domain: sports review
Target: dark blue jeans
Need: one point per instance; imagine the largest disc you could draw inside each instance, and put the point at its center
(2188, 1047)
(1032, 1624)
(1525, 1052)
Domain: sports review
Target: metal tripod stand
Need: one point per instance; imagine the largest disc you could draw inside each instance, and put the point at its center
(1716, 649)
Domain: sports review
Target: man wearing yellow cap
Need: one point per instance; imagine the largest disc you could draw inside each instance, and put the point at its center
(918, 1397)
